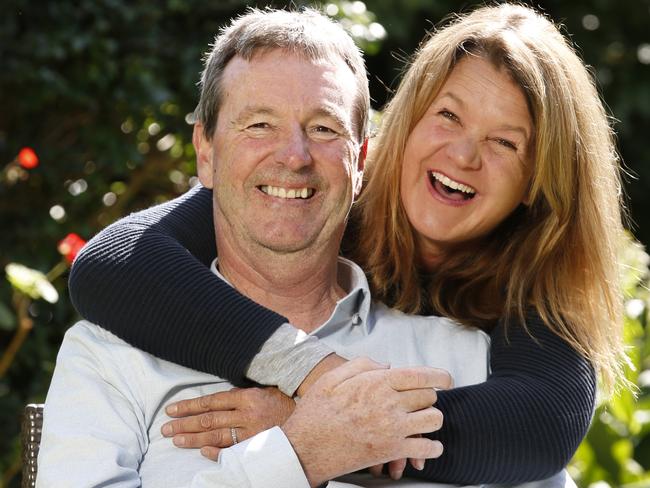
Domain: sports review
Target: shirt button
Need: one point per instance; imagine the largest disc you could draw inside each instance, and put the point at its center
(356, 320)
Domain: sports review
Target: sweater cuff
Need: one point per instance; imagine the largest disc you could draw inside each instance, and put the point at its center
(286, 359)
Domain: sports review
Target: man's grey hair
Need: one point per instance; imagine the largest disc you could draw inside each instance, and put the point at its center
(306, 32)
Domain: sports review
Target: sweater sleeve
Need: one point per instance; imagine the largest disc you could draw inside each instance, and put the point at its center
(146, 278)
(526, 421)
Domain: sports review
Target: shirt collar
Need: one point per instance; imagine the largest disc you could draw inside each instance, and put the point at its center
(353, 307)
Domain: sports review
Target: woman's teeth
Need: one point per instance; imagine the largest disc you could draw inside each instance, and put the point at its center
(452, 185)
(277, 191)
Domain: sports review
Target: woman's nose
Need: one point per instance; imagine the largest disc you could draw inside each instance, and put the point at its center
(464, 152)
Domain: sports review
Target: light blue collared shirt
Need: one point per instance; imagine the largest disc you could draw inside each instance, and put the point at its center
(105, 406)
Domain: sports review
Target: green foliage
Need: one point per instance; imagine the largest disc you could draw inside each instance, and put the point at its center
(617, 448)
(100, 90)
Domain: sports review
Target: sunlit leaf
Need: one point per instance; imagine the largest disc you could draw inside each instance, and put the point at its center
(31, 282)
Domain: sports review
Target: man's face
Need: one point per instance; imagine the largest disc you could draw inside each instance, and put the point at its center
(283, 160)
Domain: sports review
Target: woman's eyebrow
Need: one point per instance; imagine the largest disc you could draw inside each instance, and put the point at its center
(454, 97)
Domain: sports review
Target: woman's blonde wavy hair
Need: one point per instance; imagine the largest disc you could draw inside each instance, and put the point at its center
(558, 254)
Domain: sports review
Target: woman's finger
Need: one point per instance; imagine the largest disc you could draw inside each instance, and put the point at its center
(210, 452)
(417, 463)
(215, 438)
(423, 421)
(396, 468)
(223, 400)
(202, 423)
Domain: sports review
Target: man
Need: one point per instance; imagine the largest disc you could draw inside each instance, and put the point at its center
(283, 155)
(284, 159)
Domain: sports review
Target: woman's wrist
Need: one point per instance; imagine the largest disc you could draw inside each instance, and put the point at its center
(327, 364)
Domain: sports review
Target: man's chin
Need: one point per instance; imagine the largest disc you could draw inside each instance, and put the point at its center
(285, 246)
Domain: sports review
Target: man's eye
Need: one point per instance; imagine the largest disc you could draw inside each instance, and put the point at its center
(259, 125)
(323, 132)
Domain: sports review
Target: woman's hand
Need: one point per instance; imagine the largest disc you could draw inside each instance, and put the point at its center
(205, 422)
(396, 468)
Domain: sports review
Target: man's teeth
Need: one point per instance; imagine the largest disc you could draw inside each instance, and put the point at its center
(452, 184)
(277, 191)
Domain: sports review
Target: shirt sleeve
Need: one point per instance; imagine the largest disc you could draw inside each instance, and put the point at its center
(266, 459)
(95, 429)
(92, 431)
(526, 421)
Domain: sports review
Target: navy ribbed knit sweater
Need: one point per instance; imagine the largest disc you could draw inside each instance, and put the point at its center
(146, 279)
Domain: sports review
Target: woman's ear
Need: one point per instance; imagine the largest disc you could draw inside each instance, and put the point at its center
(203, 149)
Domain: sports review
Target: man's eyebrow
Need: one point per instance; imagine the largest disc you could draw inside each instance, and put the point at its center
(251, 110)
(330, 112)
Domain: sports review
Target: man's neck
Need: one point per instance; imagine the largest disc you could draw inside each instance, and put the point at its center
(302, 285)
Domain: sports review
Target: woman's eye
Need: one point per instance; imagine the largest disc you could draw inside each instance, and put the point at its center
(506, 143)
(448, 115)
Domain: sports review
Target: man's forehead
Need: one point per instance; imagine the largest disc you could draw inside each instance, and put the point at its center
(263, 56)
(267, 80)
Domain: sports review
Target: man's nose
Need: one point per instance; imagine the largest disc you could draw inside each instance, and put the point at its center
(464, 152)
(294, 150)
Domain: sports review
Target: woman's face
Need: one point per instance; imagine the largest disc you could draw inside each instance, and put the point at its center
(467, 161)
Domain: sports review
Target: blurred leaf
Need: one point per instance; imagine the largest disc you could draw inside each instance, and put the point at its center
(31, 282)
(7, 318)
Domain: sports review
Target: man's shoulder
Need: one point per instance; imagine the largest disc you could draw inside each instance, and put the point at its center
(92, 339)
(91, 342)
(91, 345)
(88, 330)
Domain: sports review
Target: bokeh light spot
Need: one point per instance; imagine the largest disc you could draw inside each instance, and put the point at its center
(643, 53)
(153, 128)
(358, 8)
(57, 212)
(127, 126)
(77, 187)
(166, 142)
(176, 177)
(331, 9)
(376, 31)
(590, 22)
(109, 199)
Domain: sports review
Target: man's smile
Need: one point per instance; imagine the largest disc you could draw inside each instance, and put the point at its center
(289, 193)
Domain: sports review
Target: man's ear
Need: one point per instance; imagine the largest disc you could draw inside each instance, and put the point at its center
(361, 162)
(203, 149)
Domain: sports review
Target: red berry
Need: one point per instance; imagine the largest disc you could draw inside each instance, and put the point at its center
(27, 158)
(70, 246)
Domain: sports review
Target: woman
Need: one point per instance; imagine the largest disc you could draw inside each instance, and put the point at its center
(492, 197)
